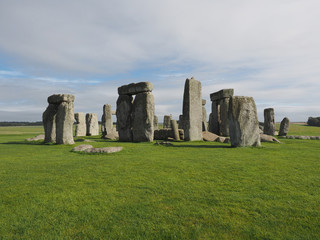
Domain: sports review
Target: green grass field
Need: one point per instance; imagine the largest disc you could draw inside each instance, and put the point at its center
(191, 190)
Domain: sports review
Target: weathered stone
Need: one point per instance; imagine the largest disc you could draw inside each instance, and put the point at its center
(284, 127)
(268, 138)
(155, 122)
(223, 121)
(269, 124)
(81, 148)
(243, 122)
(143, 114)
(124, 117)
(80, 129)
(103, 150)
(204, 116)
(192, 110)
(221, 139)
(224, 93)
(106, 120)
(49, 123)
(166, 133)
(92, 124)
(181, 122)
(135, 88)
(175, 130)
(214, 118)
(113, 136)
(64, 123)
(59, 98)
(167, 121)
(113, 112)
(209, 137)
(314, 121)
(36, 138)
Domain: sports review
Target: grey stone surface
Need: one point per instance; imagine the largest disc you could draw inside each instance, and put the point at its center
(124, 117)
(36, 138)
(209, 136)
(268, 138)
(167, 121)
(284, 127)
(166, 133)
(269, 124)
(59, 98)
(64, 123)
(80, 128)
(49, 123)
(103, 150)
(180, 124)
(143, 117)
(135, 88)
(192, 110)
(106, 120)
(81, 147)
(223, 121)
(243, 122)
(204, 116)
(155, 122)
(92, 124)
(215, 118)
(224, 93)
(175, 130)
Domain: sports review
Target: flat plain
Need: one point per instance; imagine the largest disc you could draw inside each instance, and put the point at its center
(190, 190)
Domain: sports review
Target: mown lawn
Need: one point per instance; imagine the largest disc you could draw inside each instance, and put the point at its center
(191, 190)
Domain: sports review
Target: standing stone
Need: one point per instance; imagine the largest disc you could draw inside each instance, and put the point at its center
(167, 121)
(175, 130)
(224, 123)
(284, 127)
(49, 123)
(80, 124)
(204, 116)
(64, 123)
(269, 124)
(192, 110)
(243, 122)
(92, 124)
(124, 118)
(143, 117)
(106, 120)
(181, 122)
(155, 122)
(58, 119)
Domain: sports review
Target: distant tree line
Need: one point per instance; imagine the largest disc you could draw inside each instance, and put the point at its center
(11, 124)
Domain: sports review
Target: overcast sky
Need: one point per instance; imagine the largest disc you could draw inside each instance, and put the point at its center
(268, 49)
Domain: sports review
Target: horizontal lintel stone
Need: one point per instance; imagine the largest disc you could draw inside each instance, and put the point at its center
(224, 93)
(135, 88)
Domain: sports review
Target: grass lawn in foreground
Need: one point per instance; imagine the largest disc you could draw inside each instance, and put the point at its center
(191, 190)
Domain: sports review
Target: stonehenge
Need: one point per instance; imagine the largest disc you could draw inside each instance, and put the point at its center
(192, 110)
(106, 121)
(167, 121)
(218, 119)
(58, 119)
(81, 128)
(269, 124)
(92, 124)
(243, 122)
(204, 116)
(135, 117)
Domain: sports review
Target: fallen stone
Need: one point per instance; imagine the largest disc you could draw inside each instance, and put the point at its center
(36, 138)
(268, 138)
(103, 150)
(81, 148)
(220, 139)
(165, 133)
(135, 88)
(209, 137)
(164, 143)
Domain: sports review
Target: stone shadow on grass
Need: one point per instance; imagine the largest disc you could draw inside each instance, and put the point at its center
(200, 146)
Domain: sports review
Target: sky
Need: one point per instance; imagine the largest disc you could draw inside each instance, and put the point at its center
(267, 49)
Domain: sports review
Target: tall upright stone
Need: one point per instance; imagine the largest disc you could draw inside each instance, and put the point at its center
(58, 119)
(219, 112)
(175, 130)
(284, 127)
(181, 126)
(49, 123)
(204, 116)
(143, 117)
(64, 123)
(124, 118)
(92, 124)
(269, 123)
(106, 120)
(155, 122)
(80, 129)
(167, 121)
(243, 122)
(192, 110)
